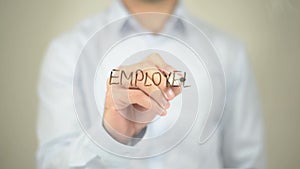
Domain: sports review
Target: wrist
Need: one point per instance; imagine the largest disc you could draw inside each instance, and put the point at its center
(123, 138)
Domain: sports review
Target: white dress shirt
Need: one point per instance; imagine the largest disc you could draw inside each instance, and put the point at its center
(237, 143)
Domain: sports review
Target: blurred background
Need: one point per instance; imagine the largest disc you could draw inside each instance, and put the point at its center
(269, 28)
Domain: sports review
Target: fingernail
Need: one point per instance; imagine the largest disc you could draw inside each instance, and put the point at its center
(167, 105)
(170, 94)
(164, 113)
(165, 102)
(180, 74)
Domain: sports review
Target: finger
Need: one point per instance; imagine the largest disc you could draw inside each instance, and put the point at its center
(150, 87)
(149, 79)
(162, 81)
(168, 72)
(141, 99)
(130, 78)
(138, 97)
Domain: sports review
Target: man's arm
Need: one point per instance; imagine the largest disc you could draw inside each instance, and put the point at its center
(62, 144)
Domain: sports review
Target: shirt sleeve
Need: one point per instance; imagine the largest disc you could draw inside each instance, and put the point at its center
(62, 144)
(243, 140)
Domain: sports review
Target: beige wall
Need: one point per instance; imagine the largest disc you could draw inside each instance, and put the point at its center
(270, 28)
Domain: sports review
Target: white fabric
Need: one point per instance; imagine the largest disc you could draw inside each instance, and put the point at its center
(238, 142)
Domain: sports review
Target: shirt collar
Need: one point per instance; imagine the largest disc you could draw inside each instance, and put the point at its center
(118, 11)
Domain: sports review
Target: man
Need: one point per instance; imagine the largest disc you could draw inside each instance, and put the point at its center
(237, 143)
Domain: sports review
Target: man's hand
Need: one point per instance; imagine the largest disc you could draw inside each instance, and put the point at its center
(132, 104)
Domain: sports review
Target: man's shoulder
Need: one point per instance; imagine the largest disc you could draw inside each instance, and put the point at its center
(230, 50)
(217, 36)
(81, 32)
(65, 49)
